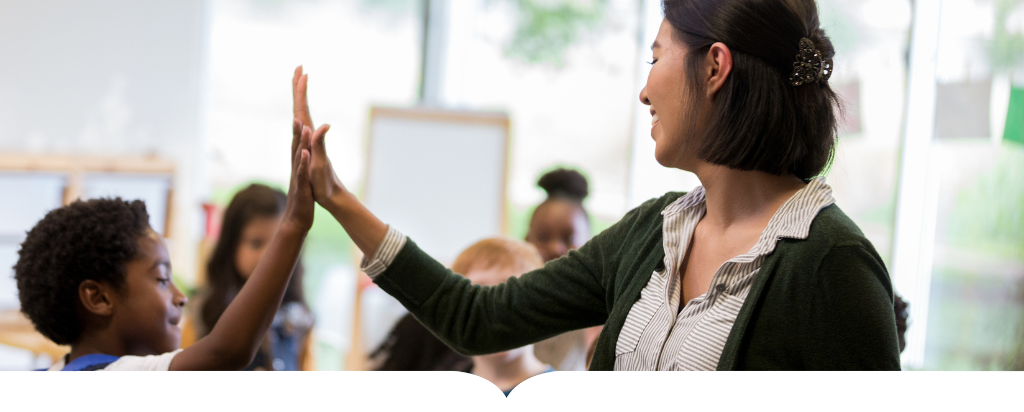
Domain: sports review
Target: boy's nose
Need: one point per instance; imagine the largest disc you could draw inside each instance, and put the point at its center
(179, 298)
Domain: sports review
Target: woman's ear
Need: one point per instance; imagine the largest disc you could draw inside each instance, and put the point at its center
(718, 64)
(96, 297)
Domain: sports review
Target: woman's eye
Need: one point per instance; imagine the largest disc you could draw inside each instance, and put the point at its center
(652, 61)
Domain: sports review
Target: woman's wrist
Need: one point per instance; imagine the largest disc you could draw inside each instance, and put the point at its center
(341, 203)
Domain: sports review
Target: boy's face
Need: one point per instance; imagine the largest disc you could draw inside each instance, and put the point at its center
(149, 308)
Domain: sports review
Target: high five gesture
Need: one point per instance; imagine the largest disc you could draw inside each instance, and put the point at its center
(362, 226)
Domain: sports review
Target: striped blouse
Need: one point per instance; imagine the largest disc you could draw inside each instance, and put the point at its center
(657, 335)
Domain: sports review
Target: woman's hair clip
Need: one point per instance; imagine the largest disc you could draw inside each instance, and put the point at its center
(810, 66)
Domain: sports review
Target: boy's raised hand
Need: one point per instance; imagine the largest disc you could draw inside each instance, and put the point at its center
(298, 211)
(236, 337)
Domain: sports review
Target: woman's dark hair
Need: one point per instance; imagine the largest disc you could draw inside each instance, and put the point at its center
(224, 280)
(411, 347)
(757, 120)
(86, 240)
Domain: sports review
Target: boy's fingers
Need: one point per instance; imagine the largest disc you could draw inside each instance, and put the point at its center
(302, 145)
(302, 175)
(296, 135)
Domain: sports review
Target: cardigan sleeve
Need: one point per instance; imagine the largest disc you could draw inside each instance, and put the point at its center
(567, 293)
(857, 304)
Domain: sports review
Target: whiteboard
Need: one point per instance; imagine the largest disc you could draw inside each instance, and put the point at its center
(438, 176)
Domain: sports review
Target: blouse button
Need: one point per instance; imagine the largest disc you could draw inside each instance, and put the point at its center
(720, 288)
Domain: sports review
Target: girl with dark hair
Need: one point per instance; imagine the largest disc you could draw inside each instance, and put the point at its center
(249, 222)
(757, 268)
(560, 224)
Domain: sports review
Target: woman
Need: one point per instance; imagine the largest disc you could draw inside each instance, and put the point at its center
(250, 221)
(755, 269)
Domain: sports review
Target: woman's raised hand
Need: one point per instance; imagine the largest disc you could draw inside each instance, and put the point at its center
(365, 230)
(300, 104)
(324, 181)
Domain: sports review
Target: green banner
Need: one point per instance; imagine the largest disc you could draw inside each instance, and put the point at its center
(1014, 131)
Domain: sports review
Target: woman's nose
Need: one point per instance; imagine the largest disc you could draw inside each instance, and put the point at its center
(643, 96)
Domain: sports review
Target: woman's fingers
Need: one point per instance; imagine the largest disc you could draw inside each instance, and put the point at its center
(317, 143)
(300, 104)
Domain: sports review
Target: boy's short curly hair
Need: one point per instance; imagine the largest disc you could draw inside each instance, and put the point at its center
(92, 239)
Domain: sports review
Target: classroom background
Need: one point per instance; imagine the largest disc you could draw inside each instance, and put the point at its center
(183, 103)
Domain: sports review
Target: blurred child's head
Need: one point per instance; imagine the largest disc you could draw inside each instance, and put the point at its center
(491, 262)
(248, 225)
(902, 314)
(560, 223)
(96, 267)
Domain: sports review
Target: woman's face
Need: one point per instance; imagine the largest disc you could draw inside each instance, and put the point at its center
(255, 238)
(665, 93)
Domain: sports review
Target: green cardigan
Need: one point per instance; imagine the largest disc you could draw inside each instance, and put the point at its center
(820, 303)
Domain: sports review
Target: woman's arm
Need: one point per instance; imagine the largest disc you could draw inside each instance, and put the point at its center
(568, 293)
(362, 226)
(858, 324)
(234, 340)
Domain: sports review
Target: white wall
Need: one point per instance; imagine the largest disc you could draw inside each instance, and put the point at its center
(109, 77)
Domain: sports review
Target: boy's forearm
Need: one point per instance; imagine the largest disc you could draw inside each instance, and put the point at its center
(234, 340)
(365, 229)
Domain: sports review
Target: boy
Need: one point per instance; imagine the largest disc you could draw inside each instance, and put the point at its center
(95, 276)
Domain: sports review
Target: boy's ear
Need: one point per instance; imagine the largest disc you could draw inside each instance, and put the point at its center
(96, 297)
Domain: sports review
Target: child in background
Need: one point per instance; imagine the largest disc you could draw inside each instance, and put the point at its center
(410, 346)
(249, 223)
(491, 262)
(95, 276)
(558, 225)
